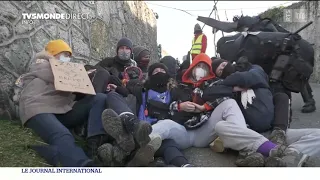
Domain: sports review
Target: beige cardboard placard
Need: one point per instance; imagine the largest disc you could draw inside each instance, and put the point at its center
(71, 77)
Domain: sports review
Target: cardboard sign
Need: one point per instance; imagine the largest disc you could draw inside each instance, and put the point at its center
(71, 77)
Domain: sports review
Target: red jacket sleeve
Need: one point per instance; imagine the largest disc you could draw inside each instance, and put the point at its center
(204, 44)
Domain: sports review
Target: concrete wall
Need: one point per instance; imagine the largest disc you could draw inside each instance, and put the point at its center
(311, 33)
(91, 39)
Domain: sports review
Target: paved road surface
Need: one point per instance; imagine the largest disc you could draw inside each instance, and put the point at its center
(204, 157)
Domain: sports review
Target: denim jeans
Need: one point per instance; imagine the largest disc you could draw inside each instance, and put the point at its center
(117, 103)
(54, 130)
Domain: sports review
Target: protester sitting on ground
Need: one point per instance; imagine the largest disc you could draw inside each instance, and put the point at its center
(134, 137)
(297, 144)
(50, 113)
(154, 98)
(261, 115)
(103, 81)
(142, 57)
(171, 64)
(116, 65)
(226, 121)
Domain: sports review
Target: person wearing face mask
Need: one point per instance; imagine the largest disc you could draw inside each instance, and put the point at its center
(51, 113)
(190, 123)
(116, 65)
(153, 102)
(268, 114)
(142, 57)
(258, 114)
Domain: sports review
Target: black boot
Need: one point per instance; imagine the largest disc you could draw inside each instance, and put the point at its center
(309, 102)
(139, 129)
(114, 126)
(112, 155)
(93, 143)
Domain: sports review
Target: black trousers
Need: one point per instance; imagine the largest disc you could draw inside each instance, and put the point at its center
(171, 154)
(282, 103)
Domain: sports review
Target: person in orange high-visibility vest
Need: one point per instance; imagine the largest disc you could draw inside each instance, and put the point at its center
(199, 42)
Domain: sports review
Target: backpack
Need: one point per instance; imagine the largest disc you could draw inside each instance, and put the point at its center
(156, 106)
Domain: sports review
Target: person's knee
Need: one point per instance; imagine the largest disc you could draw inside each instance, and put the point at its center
(170, 124)
(99, 97)
(113, 94)
(280, 97)
(220, 127)
(103, 72)
(232, 102)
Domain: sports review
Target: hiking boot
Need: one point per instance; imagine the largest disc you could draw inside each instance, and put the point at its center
(139, 129)
(308, 107)
(114, 126)
(155, 141)
(252, 160)
(291, 158)
(278, 137)
(111, 155)
(143, 157)
(93, 143)
(278, 151)
(217, 145)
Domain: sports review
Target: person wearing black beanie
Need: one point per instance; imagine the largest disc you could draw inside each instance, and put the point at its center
(171, 64)
(142, 57)
(222, 68)
(116, 65)
(158, 77)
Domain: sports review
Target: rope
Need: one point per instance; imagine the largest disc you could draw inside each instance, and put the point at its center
(225, 12)
(228, 9)
(210, 13)
(215, 30)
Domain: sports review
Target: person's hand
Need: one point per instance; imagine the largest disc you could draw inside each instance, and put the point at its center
(199, 108)
(111, 87)
(187, 106)
(237, 88)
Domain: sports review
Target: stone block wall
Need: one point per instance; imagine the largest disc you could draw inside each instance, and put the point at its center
(91, 39)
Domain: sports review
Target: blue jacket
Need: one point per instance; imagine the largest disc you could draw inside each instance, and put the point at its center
(260, 114)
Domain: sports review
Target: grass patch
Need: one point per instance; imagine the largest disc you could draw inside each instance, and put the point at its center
(13, 146)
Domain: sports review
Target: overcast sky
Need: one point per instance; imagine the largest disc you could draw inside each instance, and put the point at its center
(175, 28)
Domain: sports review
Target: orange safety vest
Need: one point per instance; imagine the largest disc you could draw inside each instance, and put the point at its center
(197, 45)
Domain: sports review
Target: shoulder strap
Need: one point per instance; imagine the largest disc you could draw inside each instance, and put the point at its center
(146, 99)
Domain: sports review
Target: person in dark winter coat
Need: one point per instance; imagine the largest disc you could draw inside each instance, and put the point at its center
(142, 57)
(295, 150)
(154, 98)
(171, 64)
(267, 111)
(259, 115)
(116, 65)
(227, 122)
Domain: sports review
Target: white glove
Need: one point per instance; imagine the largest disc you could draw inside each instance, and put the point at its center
(251, 95)
(247, 97)
(244, 99)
